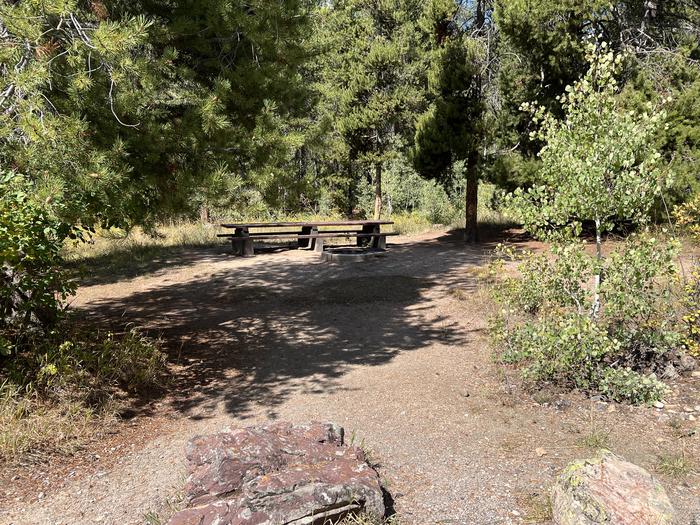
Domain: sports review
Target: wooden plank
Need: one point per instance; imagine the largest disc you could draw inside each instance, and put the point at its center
(290, 233)
(305, 224)
(320, 235)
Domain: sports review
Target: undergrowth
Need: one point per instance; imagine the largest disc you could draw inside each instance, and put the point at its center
(69, 385)
(366, 519)
(555, 325)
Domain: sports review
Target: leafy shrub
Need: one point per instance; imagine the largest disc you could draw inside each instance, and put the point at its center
(549, 325)
(639, 296)
(691, 312)
(566, 350)
(405, 191)
(33, 283)
(687, 216)
(624, 384)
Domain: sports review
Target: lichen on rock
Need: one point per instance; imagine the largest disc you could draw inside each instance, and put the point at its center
(605, 489)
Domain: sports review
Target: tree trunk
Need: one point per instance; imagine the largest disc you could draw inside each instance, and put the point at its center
(599, 259)
(351, 196)
(204, 214)
(471, 233)
(378, 191)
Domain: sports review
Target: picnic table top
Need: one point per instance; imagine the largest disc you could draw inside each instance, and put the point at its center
(306, 223)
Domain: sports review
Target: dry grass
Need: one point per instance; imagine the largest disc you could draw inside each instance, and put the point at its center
(410, 223)
(595, 439)
(367, 519)
(675, 465)
(537, 507)
(57, 394)
(114, 242)
(31, 430)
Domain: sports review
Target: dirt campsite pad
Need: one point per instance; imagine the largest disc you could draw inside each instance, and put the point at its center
(394, 349)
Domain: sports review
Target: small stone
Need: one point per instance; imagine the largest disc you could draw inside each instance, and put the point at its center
(695, 374)
(612, 408)
(562, 404)
(691, 417)
(465, 394)
(697, 408)
(687, 363)
(688, 409)
(658, 404)
(540, 452)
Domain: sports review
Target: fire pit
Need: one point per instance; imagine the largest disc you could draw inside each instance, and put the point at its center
(350, 254)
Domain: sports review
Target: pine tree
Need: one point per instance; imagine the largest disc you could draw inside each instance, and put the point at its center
(451, 129)
(371, 77)
(134, 111)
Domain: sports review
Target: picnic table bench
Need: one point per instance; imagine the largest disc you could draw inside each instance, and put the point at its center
(308, 235)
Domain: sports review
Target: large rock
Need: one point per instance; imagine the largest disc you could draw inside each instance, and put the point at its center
(606, 489)
(277, 474)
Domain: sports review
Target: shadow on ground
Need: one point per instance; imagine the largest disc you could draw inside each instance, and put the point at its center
(260, 332)
(141, 260)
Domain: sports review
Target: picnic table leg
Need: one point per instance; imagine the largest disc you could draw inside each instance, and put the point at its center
(307, 244)
(241, 242)
(380, 242)
(318, 245)
(367, 241)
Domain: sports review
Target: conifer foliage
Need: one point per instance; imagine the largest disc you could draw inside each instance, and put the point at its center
(372, 77)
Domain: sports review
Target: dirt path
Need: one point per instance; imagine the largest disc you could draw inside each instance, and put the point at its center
(393, 349)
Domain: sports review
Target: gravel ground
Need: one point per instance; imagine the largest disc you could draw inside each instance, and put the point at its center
(393, 349)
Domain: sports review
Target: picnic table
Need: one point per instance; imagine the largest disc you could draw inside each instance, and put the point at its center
(309, 235)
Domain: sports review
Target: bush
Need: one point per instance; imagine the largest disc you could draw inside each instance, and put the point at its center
(56, 378)
(549, 323)
(33, 282)
(566, 350)
(687, 216)
(691, 312)
(589, 321)
(624, 384)
(406, 192)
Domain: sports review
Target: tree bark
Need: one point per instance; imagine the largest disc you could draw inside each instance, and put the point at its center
(471, 233)
(378, 191)
(598, 277)
(351, 196)
(471, 230)
(204, 214)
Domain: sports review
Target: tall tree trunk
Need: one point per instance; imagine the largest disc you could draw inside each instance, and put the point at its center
(378, 191)
(471, 233)
(351, 195)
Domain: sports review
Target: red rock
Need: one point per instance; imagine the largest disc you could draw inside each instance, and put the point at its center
(275, 474)
(606, 489)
